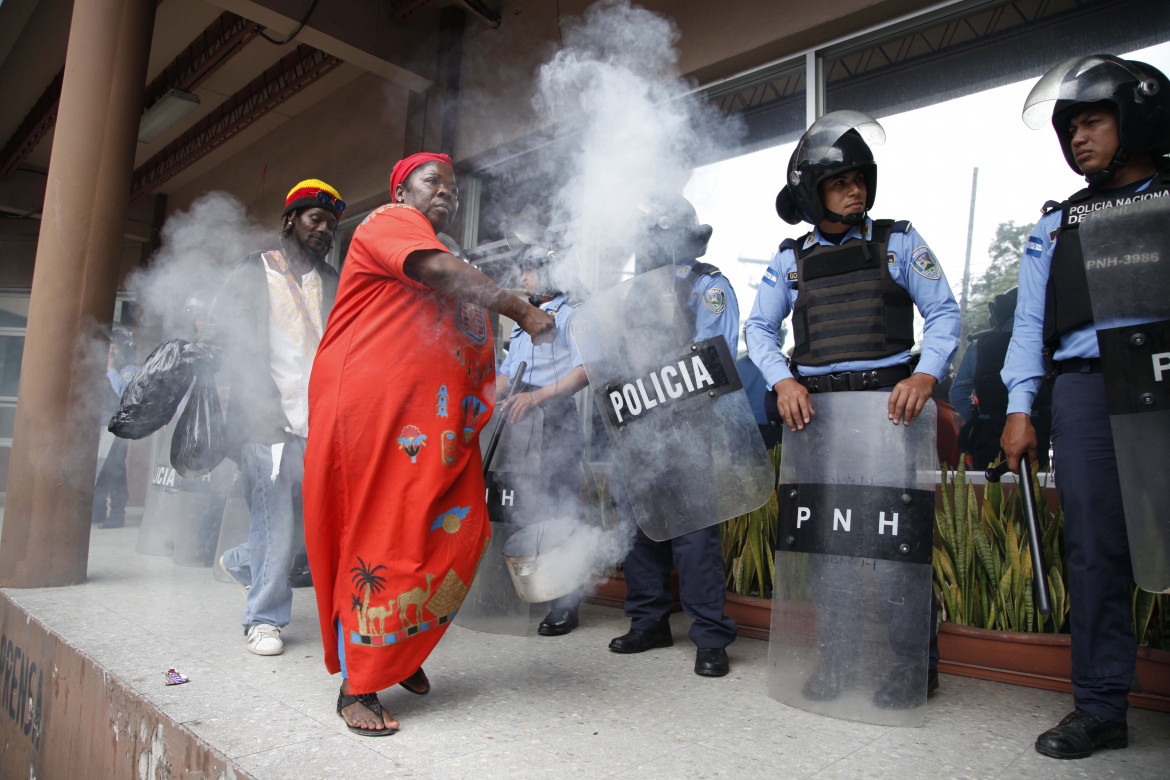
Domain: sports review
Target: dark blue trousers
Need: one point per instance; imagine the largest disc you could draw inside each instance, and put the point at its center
(1104, 650)
(698, 558)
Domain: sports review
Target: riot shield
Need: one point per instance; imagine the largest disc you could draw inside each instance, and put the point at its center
(513, 477)
(492, 605)
(1127, 263)
(850, 627)
(684, 438)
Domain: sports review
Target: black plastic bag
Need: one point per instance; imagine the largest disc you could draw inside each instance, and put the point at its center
(197, 445)
(150, 400)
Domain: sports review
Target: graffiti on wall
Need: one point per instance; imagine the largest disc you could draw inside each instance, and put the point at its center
(21, 686)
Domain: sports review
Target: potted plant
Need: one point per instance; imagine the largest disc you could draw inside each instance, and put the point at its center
(983, 580)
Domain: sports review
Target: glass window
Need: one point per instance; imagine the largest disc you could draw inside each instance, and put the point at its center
(925, 169)
(11, 352)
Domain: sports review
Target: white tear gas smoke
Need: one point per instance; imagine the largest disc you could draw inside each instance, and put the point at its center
(641, 130)
(199, 247)
(637, 133)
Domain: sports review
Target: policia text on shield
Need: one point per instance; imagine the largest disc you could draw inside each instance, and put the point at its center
(1095, 295)
(687, 451)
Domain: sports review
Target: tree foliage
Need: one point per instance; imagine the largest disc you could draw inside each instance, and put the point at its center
(1001, 275)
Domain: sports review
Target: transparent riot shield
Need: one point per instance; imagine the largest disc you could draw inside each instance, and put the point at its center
(684, 438)
(850, 627)
(1127, 263)
(492, 605)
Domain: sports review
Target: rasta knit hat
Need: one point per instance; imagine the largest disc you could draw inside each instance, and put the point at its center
(313, 192)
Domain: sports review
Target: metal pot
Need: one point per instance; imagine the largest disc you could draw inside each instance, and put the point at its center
(553, 558)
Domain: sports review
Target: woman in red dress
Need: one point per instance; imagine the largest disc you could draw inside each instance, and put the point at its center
(403, 381)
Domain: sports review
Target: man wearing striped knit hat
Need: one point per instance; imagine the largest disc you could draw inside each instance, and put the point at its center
(268, 318)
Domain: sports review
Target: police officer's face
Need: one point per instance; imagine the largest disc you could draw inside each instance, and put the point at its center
(431, 189)
(844, 193)
(528, 280)
(1094, 138)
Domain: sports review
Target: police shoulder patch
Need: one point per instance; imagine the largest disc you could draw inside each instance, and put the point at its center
(793, 276)
(1052, 234)
(715, 300)
(922, 260)
(1034, 247)
(891, 258)
(769, 278)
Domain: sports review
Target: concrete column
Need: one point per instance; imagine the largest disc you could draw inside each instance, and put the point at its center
(45, 541)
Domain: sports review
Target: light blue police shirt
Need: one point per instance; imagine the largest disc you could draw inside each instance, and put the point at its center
(1023, 368)
(120, 379)
(546, 362)
(914, 269)
(715, 308)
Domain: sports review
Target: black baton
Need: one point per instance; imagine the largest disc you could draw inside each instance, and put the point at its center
(1032, 520)
(487, 459)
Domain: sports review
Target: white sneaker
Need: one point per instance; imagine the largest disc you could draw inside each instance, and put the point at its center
(265, 640)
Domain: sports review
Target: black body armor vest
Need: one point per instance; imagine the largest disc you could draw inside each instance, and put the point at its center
(849, 307)
(989, 387)
(1066, 300)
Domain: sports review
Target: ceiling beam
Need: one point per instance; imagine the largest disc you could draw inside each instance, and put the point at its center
(223, 39)
(219, 42)
(36, 125)
(271, 88)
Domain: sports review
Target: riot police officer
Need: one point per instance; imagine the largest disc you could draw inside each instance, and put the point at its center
(672, 235)
(851, 286)
(979, 395)
(552, 375)
(1112, 120)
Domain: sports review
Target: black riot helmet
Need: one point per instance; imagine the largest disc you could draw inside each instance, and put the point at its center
(1003, 308)
(669, 233)
(539, 248)
(1139, 94)
(836, 143)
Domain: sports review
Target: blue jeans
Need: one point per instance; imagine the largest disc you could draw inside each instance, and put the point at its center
(264, 560)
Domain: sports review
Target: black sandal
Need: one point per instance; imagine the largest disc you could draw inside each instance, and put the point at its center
(370, 702)
(422, 686)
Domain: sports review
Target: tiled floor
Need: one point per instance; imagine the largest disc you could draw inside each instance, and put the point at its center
(533, 706)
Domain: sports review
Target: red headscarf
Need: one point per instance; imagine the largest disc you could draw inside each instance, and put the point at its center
(405, 166)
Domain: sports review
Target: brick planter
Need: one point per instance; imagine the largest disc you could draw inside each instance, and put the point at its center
(1041, 661)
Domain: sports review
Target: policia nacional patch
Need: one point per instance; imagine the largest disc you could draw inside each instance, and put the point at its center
(715, 300)
(924, 263)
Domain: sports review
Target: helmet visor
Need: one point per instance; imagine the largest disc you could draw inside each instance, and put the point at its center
(1077, 80)
(819, 144)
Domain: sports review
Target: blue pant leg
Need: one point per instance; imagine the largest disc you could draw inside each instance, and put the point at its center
(647, 569)
(270, 536)
(698, 558)
(1099, 572)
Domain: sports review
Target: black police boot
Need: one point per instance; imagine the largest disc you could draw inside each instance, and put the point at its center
(825, 684)
(711, 662)
(636, 641)
(1079, 734)
(559, 620)
(898, 692)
